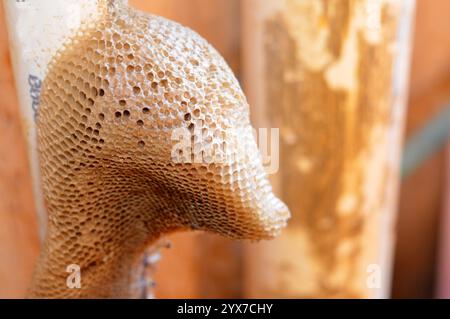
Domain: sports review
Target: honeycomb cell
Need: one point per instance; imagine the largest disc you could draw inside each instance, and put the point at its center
(110, 102)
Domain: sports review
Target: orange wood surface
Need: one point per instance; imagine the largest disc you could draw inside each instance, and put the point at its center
(421, 195)
(18, 230)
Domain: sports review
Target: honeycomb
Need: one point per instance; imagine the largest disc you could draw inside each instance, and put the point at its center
(110, 102)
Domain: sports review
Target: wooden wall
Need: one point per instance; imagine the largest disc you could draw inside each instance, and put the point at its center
(198, 265)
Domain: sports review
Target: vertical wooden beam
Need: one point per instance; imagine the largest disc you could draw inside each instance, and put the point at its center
(422, 192)
(332, 76)
(18, 228)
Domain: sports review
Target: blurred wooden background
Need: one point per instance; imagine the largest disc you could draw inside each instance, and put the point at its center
(200, 265)
(422, 192)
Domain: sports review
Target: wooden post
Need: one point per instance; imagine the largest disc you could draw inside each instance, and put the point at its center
(332, 75)
(18, 229)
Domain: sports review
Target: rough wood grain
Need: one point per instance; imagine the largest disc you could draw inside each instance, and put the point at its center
(327, 71)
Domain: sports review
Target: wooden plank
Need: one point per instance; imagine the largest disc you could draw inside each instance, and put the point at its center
(322, 72)
(420, 207)
(417, 231)
(430, 79)
(18, 228)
